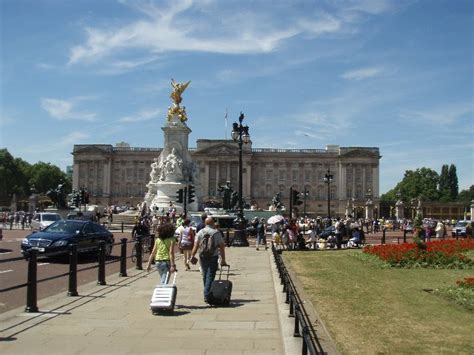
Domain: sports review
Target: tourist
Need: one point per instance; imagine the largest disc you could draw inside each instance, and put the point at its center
(163, 252)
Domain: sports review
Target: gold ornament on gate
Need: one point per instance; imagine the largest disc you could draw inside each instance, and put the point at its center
(175, 109)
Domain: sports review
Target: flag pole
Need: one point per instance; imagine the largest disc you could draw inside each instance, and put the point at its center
(225, 123)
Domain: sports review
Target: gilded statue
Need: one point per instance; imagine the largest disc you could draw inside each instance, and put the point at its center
(175, 109)
(178, 89)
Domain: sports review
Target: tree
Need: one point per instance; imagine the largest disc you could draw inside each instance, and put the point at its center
(421, 183)
(12, 176)
(466, 196)
(453, 183)
(45, 176)
(444, 188)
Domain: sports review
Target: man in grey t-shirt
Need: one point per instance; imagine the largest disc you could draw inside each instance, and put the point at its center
(209, 263)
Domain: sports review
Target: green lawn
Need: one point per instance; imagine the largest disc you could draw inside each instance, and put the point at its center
(368, 309)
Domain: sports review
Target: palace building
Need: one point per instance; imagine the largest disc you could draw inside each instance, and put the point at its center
(118, 175)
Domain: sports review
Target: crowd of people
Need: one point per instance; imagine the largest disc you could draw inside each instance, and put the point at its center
(15, 220)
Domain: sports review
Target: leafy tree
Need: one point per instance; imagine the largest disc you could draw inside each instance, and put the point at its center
(12, 175)
(444, 188)
(421, 183)
(453, 182)
(45, 176)
(466, 196)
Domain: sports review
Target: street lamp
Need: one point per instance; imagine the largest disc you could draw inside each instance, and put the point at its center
(240, 134)
(328, 179)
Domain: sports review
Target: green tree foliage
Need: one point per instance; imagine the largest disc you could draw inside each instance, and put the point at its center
(421, 183)
(17, 176)
(466, 196)
(453, 182)
(12, 175)
(45, 176)
(444, 188)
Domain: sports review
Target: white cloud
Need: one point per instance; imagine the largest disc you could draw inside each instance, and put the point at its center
(144, 115)
(66, 109)
(360, 74)
(445, 115)
(190, 26)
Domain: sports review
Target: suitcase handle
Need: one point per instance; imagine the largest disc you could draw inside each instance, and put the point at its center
(228, 271)
(168, 278)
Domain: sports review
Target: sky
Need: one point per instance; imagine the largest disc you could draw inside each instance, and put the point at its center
(397, 75)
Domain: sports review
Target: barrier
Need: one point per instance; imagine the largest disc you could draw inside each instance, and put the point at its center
(302, 325)
(32, 277)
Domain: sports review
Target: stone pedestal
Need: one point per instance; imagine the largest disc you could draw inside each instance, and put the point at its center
(173, 169)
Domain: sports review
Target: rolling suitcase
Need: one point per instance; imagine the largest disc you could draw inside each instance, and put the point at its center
(164, 297)
(220, 292)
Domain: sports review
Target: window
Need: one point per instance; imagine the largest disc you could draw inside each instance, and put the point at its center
(282, 174)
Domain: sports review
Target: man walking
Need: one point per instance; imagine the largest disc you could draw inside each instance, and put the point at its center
(209, 243)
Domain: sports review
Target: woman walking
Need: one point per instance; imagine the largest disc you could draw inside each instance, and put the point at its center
(163, 252)
(186, 242)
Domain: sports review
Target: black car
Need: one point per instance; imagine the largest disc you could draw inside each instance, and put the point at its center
(56, 238)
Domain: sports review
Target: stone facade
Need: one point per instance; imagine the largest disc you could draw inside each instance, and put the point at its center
(118, 175)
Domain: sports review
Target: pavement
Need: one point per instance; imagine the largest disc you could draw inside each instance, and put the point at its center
(116, 318)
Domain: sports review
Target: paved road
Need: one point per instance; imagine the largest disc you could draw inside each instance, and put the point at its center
(15, 273)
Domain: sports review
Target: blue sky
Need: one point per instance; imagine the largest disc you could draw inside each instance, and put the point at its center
(397, 75)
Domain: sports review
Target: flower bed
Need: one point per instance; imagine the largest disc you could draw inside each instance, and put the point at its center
(440, 253)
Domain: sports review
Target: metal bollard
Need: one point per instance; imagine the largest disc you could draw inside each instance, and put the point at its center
(122, 227)
(296, 333)
(383, 236)
(101, 269)
(305, 335)
(123, 257)
(72, 288)
(404, 236)
(292, 304)
(31, 290)
(138, 248)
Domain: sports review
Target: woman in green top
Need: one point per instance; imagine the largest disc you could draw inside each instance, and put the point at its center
(163, 251)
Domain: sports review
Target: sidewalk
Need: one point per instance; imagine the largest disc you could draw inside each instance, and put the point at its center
(116, 319)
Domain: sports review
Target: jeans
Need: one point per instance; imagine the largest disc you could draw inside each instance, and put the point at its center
(208, 269)
(163, 268)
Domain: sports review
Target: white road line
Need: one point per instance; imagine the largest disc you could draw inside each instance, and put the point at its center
(5, 271)
(41, 264)
(6, 253)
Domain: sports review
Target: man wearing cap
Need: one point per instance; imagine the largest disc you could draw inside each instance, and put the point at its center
(261, 238)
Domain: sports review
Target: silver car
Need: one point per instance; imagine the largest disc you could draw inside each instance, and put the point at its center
(43, 219)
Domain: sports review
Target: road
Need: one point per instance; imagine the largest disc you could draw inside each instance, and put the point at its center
(15, 273)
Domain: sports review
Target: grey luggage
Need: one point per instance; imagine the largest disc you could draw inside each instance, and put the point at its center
(164, 296)
(221, 290)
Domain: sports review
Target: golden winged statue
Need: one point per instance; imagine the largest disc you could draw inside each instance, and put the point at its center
(178, 89)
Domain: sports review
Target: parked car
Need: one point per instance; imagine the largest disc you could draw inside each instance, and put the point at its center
(459, 229)
(56, 238)
(43, 219)
(85, 216)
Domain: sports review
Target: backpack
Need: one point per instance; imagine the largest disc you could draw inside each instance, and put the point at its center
(207, 246)
(186, 238)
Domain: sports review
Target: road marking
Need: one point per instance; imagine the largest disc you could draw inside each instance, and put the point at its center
(41, 264)
(5, 271)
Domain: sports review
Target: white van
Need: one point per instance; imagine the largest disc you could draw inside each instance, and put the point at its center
(43, 219)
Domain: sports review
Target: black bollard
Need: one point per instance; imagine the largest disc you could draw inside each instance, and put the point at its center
(122, 227)
(296, 333)
(305, 335)
(383, 235)
(404, 236)
(72, 270)
(123, 257)
(101, 268)
(292, 304)
(31, 291)
(138, 248)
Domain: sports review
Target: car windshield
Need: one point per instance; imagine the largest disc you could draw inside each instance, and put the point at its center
(461, 224)
(51, 217)
(64, 227)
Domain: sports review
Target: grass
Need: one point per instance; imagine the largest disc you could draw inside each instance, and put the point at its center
(370, 309)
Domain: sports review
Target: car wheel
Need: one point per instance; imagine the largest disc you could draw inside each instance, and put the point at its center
(108, 249)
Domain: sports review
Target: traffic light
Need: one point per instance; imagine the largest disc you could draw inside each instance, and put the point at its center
(296, 198)
(86, 197)
(180, 196)
(191, 194)
(83, 196)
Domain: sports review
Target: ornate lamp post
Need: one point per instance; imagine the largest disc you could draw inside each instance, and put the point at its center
(328, 179)
(240, 134)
